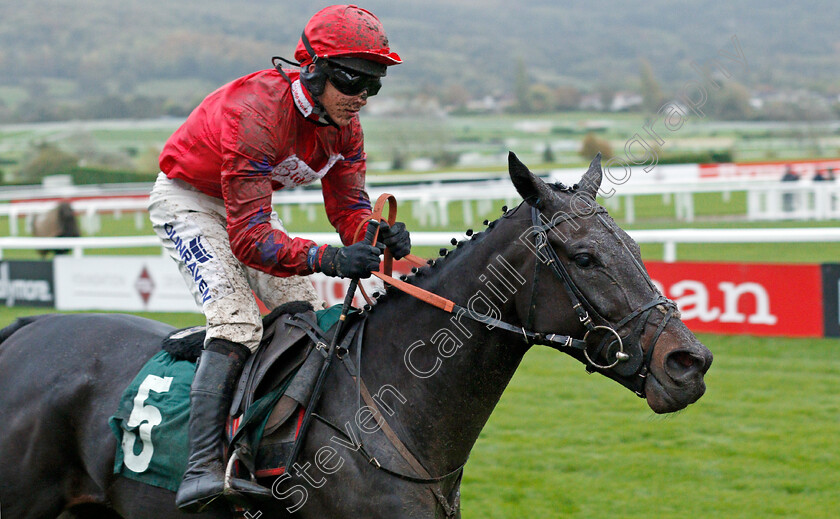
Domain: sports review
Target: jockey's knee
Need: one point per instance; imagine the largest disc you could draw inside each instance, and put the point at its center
(246, 334)
(235, 318)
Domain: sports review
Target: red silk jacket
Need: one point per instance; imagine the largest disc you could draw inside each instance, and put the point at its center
(257, 135)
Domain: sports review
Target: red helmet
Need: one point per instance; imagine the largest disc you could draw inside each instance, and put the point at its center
(346, 31)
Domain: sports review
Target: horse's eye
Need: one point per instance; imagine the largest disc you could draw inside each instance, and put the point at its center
(584, 260)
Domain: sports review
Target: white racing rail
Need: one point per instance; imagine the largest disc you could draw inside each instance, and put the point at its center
(766, 201)
(669, 237)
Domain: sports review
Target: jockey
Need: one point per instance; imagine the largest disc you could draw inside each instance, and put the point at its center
(211, 207)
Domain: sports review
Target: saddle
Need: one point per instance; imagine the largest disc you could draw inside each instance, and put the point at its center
(276, 383)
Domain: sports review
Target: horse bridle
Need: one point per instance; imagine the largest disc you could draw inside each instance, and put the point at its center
(629, 366)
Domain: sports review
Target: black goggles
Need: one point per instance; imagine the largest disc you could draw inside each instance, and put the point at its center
(351, 83)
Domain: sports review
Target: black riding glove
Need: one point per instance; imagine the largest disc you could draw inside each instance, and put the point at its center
(396, 237)
(354, 261)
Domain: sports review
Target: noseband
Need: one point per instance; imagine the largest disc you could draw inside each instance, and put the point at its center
(629, 365)
(624, 359)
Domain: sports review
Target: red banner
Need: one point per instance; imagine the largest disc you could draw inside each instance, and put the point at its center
(746, 299)
(766, 170)
(729, 298)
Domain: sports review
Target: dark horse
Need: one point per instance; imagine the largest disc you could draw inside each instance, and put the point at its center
(556, 266)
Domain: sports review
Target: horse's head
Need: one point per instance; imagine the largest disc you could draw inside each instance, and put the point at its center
(588, 270)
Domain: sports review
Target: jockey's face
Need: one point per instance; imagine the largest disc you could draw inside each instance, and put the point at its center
(340, 107)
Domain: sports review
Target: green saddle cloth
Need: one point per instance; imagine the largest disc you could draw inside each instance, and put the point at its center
(151, 422)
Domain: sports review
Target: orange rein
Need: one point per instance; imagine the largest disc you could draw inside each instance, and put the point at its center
(388, 262)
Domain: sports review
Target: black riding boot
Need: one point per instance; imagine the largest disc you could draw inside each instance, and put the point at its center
(210, 397)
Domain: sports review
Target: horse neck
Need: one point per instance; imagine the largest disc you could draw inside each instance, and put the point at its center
(444, 373)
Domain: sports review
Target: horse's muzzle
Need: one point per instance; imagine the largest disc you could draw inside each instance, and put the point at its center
(677, 371)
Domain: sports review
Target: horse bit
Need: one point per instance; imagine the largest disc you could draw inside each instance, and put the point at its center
(630, 366)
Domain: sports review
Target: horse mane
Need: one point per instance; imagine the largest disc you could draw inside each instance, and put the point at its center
(435, 266)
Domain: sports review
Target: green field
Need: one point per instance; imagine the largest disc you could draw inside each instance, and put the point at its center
(761, 442)
(452, 142)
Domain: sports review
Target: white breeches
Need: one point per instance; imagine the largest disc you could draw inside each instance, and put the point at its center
(193, 229)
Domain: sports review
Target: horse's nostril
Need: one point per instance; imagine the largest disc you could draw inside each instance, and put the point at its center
(683, 364)
(683, 358)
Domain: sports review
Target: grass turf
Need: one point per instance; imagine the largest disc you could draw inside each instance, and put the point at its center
(758, 444)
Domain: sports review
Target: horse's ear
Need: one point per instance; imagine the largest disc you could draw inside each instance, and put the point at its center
(530, 187)
(591, 181)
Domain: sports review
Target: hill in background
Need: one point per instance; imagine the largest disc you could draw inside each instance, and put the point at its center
(62, 59)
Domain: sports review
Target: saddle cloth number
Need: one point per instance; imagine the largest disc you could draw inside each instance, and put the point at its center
(146, 417)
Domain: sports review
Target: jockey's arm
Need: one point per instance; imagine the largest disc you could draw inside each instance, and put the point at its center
(253, 240)
(346, 202)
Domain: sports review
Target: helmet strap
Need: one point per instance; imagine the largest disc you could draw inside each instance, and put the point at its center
(319, 114)
(323, 119)
(279, 67)
(308, 47)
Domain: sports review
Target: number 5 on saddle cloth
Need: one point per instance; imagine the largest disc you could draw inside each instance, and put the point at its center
(150, 423)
